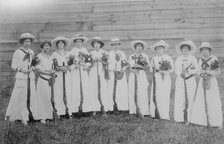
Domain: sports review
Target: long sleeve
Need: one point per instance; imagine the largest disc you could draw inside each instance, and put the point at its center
(178, 66)
(195, 65)
(15, 60)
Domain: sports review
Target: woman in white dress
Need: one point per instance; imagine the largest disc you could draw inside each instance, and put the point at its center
(98, 82)
(18, 108)
(44, 68)
(207, 108)
(185, 69)
(138, 82)
(81, 100)
(62, 86)
(117, 85)
(162, 65)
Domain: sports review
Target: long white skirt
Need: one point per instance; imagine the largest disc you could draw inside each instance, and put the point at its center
(94, 87)
(214, 105)
(58, 93)
(163, 88)
(122, 99)
(17, 108)
(179, 104)
(142, 93)
(45, 108)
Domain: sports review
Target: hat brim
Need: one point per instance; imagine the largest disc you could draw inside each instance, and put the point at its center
(192, 50)
(205, 47)
(112, 43)
(165, 46)
(54, 41)
(101, 43)
(32, 37)
(83, 38)
(133, 43)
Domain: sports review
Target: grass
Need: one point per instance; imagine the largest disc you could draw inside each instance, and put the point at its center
(116, 129)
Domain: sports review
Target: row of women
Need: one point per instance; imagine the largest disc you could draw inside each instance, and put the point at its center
(77, 81)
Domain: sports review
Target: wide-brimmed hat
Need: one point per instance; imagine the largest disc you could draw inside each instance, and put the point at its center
(115, 41)
(97, 39)
(205, 45)
(135, 42)
(188, 43)
(60, 38)
(26, 36)
(78, 37)
(161, 43)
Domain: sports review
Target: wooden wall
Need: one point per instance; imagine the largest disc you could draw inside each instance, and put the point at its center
(149, 20)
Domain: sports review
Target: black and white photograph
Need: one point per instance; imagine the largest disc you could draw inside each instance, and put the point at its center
(111, 71)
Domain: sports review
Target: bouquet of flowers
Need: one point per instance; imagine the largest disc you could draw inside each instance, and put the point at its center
(86, 59)
(164, 66)
(35, 61)
(140, 60)
(214, 65)
(71, 60)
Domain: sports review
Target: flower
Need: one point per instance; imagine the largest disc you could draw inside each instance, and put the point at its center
(87, 59)
(214, 65)
(35, 61)
(140, 60)
(71, 60)
(164, 65)
(105, 57)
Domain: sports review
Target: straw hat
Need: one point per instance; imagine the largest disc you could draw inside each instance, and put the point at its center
(78, 37)
(97, 39)
(161, 43)
(60, 38)
(186, 42)
(26, 36)
(115, 41)
(135, 42)
(205, 45)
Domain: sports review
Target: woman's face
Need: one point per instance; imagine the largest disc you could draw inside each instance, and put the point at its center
(116, 46)
(160, 50)
(78, 43)
(205, 52)
(96, 45)
(61, 45)
(26, 43)
(139, 47)
(185, 50)
(46, 48)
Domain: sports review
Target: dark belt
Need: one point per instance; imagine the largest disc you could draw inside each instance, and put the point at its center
(186, 78)
(137, 68)
(44, 78)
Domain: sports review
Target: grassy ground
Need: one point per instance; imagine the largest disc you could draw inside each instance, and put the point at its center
(125, 129)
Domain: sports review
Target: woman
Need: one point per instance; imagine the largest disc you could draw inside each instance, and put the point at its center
(80, 77)
(162, 66)
(117, 85)
(138, 82)
(18, 108)
(185, 69)
(62, 86)
(98, 82)
(207, 108)
(44, 92)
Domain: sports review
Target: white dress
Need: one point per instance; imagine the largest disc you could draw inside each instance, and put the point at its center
(189, 62)
(87, 105)
(94, 81)
(58, 86)
(17, 108)
(45, 108)
(121, 87)
(142, 89)
(163, 88)
(213, 111)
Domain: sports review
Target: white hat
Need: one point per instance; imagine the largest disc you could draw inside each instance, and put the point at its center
(205, 45)
(60, 38)
(79, 36)
(26, 36)
(186, 42)
(133, 44)
(97, 39)
(161, 43)
(115, 41)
